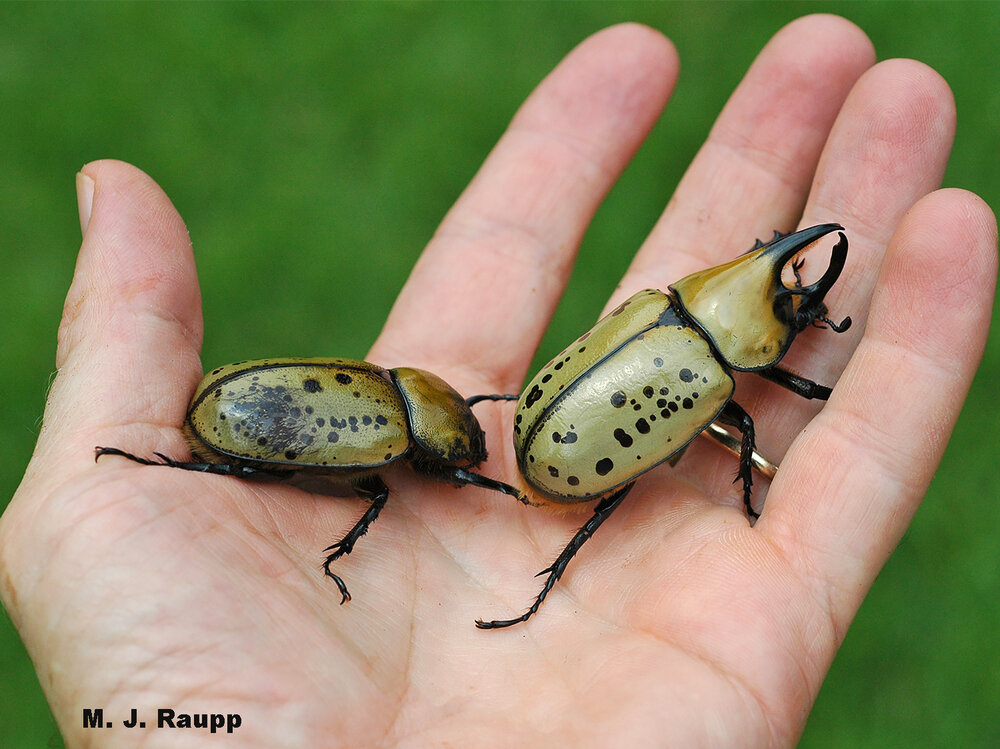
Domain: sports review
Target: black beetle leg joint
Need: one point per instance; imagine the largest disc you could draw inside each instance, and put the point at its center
(345, 596)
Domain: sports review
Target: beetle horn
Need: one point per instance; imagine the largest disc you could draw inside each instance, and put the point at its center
(810, 298)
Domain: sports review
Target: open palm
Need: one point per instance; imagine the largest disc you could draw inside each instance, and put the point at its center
(679, 623)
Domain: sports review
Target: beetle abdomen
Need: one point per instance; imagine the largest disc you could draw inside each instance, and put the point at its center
(295, 413)
(595, 427)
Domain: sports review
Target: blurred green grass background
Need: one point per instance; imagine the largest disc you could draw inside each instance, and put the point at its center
(312, 149)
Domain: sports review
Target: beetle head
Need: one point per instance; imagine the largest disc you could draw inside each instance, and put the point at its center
(746, 310)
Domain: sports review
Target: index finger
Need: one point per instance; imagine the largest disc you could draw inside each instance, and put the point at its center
(483, 291)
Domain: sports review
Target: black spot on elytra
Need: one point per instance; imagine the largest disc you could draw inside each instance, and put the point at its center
(291, 455)
(657, 362)
(533, 395)
(381, 420)
(618, 399)
(568, 439)
(604, 466)
(648, 391)
(262, 441)
(343, 378)
(546, 378)
(311, 385)
(685, 375)
(572, 480)
(366, 420)
(642, 426)
(553, 472)
(333, 437)
(623, 437)
(687, 403)
(672, 406)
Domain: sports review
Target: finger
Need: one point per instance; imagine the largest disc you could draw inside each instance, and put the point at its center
(853, 480)
(131, 328)
(888, 148)
(485, 287)
(753, 174)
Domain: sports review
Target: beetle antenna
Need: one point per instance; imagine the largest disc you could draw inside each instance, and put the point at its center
(796, 267)
(835, 327)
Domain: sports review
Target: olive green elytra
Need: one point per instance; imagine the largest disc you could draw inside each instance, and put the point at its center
(343, 418)
(654, 373)
(329, 415)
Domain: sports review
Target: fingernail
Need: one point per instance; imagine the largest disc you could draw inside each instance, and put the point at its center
(84, 199)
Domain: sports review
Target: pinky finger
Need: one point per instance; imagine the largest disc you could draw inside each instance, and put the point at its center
(886, 426)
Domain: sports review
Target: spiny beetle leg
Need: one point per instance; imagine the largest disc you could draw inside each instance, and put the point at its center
(373, 489)
(734, 415)
(474, 399)
(221, 469)
(604, 509)
(461, 476)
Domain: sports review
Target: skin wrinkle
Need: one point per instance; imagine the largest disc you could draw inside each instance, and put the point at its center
(828, 584)
(739, 685)
(903, 359)
(808, 579)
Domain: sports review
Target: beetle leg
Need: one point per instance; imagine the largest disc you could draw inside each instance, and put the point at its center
(734, 415)
(221, 469)
(604, 508)
(795, 383)
(461, 477)
(764, 466)
(474, 399)
(373, 489)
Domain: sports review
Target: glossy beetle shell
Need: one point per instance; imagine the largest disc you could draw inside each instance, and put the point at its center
(655, 372)
(328, 416)
(619, 401)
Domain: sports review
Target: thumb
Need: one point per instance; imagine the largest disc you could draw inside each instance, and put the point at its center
(131, 330)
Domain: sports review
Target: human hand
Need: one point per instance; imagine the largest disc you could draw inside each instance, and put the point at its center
(678, 623)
